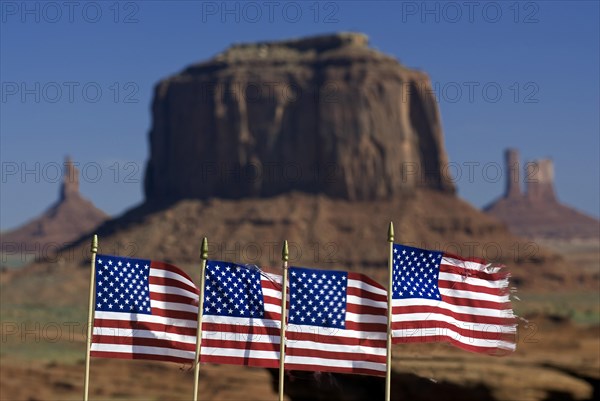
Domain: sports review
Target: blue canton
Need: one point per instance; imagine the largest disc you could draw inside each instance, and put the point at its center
(318, 297)
(122, 285)
(415, 273)
(232, 290)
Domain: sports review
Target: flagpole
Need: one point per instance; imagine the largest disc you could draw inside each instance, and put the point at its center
(388, 365)
(204, 257)
(284, 259)
(90, 322)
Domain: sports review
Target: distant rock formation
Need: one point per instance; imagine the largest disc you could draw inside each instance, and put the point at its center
(537, 213)
(540, 181)
(322, 115)
(64, 222)
(513, 183)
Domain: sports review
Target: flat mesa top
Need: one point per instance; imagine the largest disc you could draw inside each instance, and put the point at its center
(317, 43)
(342, 45)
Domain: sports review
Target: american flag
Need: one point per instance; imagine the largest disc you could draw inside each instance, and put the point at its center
(241, 318)
(143, 310)
(441, 297)
(337, 322)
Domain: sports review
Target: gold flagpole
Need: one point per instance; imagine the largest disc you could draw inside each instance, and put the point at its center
(284, 259)
(388, 365)
(90, 322)
(204, 257)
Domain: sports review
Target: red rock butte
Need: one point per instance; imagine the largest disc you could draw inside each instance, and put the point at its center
(537, 213)
(321, 115)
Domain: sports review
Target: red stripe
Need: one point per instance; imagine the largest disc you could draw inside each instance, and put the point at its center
(464, 317)
(335, 369)
(362, 309)
(366, 294)
(233, 360)
(148, 357)
(376, 327)
(174, 314)
(180, 299)
(463, 286)
(271, 285)
(336, 355)
(272, 316)
(477, 303)
(136, 325)
(271, 300)
(244, 345)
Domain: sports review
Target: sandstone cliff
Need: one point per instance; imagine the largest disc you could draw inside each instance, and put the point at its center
(325, 115)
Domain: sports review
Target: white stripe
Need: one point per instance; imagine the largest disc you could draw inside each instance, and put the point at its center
(475, 295)
(140, 317)
(504, 313)
(438, 331)
(157, 272)
(142, 349)
(240, 353)
(159, 335)
(333, 332)
(485, 327)
(471, 265)
(364, 286)
(173, 306)
(271, 277)
(499, 284)
(273, 308)
(364, 318)
(354, 349)
(353, 299)
(305, 360)
(240, 336)
(165, 289)
(271, 293)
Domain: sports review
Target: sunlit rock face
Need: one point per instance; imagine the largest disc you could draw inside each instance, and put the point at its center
(325, 115)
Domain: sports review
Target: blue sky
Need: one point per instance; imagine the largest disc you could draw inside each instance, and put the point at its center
(77, 78)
